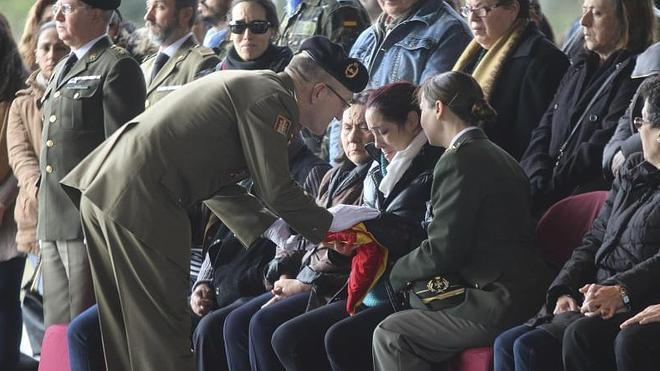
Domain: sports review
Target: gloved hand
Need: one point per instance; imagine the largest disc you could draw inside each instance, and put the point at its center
(278, 232)
(346, 216)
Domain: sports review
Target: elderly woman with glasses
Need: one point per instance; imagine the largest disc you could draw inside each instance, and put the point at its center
(517, 67)
(565, 153)
(607, 280)
(253, 25)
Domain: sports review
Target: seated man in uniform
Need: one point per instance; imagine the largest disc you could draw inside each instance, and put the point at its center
(135, 187)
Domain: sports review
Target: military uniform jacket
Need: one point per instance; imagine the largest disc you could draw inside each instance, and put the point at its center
(101, 91)
(196, 147)
(341, 21)
(185, 66)
(481, 235)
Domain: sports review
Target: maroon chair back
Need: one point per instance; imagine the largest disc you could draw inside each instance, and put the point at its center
(563, 226)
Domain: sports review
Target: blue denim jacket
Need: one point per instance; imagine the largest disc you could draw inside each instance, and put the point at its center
(427, 43)
(424, 45)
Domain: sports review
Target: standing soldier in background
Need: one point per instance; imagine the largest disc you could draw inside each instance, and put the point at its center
(341, 21)
(90, 94)
(180, 59)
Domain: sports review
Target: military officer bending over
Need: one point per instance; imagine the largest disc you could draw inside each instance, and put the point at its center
(136, 186)
(91, 93)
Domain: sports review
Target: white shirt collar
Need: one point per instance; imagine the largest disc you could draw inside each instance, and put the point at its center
(460, 134)
(174, 47)
(80, 52)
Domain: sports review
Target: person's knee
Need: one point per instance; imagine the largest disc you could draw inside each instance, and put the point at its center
(382, 336)
(626, 341)
(504, 342)
(74, 332)
(208, 328)
(262, 325)
(83, 327)
(283, 340)
(236, 322)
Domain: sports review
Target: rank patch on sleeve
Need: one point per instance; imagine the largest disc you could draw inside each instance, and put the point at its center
(282, 125)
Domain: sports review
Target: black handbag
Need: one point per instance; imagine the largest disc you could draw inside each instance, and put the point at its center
(33, 311)
(436, 293)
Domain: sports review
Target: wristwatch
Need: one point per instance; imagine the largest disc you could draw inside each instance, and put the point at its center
(624, 296)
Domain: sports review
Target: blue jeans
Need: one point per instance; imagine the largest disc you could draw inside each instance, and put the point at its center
(524, 348)
(11, 322)
(84, 342)
(208, 341)
(248, 331)
(303, 342)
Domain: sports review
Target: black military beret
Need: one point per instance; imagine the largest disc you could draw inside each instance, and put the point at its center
(350, 72)
(103, 4)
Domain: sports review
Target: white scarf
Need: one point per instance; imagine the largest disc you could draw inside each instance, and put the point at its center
(401, 162)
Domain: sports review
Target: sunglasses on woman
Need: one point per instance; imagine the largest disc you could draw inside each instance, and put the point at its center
(256, 27)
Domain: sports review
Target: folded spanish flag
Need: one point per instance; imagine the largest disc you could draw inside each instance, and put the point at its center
(368, 263)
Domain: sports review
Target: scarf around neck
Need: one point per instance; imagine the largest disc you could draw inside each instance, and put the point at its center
(275, 58)
(400, 163)
(490, 66)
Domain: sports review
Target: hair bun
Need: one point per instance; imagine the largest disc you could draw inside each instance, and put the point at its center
(482, 111)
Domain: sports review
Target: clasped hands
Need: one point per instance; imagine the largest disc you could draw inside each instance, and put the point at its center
(286, 287)
(599, 300)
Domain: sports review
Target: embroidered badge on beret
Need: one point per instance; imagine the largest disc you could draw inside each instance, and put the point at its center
(352, 70)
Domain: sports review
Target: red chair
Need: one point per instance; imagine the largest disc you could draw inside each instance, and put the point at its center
(558, 233)
(54, 352)
(563, 226)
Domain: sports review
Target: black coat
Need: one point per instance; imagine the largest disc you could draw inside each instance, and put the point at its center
(523, 91)
(238, 271)
(623, 246)
(579, 169)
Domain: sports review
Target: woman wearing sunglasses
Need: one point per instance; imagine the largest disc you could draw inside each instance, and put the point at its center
(253, 25)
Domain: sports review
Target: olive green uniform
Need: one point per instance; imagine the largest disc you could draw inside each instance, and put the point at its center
(137, 185)
(184, 66)
(341, 21)
(100, 92)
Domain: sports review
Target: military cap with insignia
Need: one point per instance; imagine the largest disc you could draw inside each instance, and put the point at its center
(103, 4)
(350, 72)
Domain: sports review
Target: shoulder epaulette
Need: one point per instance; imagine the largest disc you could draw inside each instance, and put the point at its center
(118, 49)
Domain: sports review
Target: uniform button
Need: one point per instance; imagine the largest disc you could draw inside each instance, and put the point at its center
(76, 96)
(57, 94)
(146, 103)
(49, 143)
(52, 118)
(49, 169)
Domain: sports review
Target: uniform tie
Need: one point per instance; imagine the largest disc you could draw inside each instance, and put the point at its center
(67, 66)
(161, 59)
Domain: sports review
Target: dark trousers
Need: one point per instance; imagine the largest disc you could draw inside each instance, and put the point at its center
(303, 343)
(11, 322)
(84, 342)
(208, 341)
(525, 348)
(248, 331)
(597, 344)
